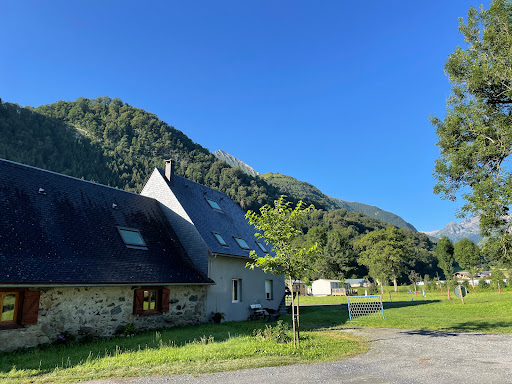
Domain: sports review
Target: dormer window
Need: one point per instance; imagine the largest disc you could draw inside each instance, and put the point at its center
(262, 247)
(220, 239)
(214, 205)
(132, 238)
(242, 243)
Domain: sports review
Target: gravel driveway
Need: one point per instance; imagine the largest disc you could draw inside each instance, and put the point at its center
(396, 356)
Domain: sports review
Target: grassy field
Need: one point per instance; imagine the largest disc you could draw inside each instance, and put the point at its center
(193, 349)
(488, 312)
(228, 346)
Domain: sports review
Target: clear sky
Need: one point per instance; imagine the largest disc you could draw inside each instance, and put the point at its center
(335, 93)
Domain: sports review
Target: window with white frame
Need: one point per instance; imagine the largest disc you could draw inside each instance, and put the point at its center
(269, 289)
(236, 291)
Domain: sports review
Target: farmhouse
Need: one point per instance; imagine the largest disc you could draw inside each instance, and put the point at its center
(217, 236)
(82, 258)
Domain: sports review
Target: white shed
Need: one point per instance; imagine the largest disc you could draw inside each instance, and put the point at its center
(324, 287)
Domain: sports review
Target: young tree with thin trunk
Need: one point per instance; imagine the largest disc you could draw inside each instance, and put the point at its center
(467, 254)
(444, 253)
(280, 226)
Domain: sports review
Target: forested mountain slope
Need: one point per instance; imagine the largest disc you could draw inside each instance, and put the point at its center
(113, 143)
(302, 190)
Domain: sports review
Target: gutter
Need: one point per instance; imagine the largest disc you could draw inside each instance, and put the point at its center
(73, 285)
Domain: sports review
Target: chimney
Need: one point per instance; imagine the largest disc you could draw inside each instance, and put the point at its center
(169, 170)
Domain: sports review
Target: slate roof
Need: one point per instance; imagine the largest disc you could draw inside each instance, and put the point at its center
(69, 235)
(229, 223)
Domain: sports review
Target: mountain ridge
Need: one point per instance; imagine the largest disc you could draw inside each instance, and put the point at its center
(468, 228)
(305, 190)
(234, 162)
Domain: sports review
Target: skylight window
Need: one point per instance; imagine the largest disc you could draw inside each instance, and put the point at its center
(132, 238)
(220, 239)
(214, 205)
(242, 243)
(262, 247)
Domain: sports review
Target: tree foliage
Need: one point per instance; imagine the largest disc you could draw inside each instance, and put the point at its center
(280, 226)
(475, 139)
(384, 253)
(444, 253)
(467, 254)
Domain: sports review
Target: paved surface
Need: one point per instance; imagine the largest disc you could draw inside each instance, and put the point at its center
(396, 356)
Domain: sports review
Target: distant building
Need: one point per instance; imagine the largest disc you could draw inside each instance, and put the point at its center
(462, 275)
(355, 283)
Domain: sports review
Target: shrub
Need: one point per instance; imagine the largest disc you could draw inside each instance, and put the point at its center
(217, 317)
(279, 333)
(126, 330)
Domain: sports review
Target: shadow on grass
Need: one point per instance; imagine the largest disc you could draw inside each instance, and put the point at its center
(401, 304)
(314, 317)
(482, 326)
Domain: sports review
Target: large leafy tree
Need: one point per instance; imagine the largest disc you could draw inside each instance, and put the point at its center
(384, 253)
(475, 136)
(444, 253)
(280, 226)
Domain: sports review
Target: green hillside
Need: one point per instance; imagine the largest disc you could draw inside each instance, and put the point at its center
(302, 190)
(113, 143)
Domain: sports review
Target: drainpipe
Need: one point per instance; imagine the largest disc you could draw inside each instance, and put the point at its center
(210, 270)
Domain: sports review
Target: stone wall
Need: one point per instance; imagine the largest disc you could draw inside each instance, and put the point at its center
(100, 311)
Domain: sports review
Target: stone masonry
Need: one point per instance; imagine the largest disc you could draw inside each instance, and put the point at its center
(99, 312)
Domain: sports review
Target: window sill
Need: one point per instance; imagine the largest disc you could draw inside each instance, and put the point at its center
(151, 313)
(10, 326)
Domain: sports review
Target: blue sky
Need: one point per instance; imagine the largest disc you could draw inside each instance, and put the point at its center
(334, 93)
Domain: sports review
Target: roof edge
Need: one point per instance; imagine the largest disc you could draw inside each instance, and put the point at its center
(72, 177)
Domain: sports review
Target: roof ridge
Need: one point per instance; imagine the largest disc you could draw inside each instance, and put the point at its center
(72, 177)
(162, 172)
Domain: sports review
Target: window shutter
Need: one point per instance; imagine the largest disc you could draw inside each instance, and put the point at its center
(30, 307)
(138, 302)
(164, 296)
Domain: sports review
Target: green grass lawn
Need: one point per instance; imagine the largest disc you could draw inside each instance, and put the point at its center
(487, 312)
(192, 349)
(228, 346)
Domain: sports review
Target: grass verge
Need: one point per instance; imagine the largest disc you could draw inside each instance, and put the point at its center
(188, 350)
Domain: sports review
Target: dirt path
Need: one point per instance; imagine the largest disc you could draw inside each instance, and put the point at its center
(396, 356)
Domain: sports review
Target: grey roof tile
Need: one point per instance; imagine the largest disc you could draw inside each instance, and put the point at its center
(69, 235)
(230, 223)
